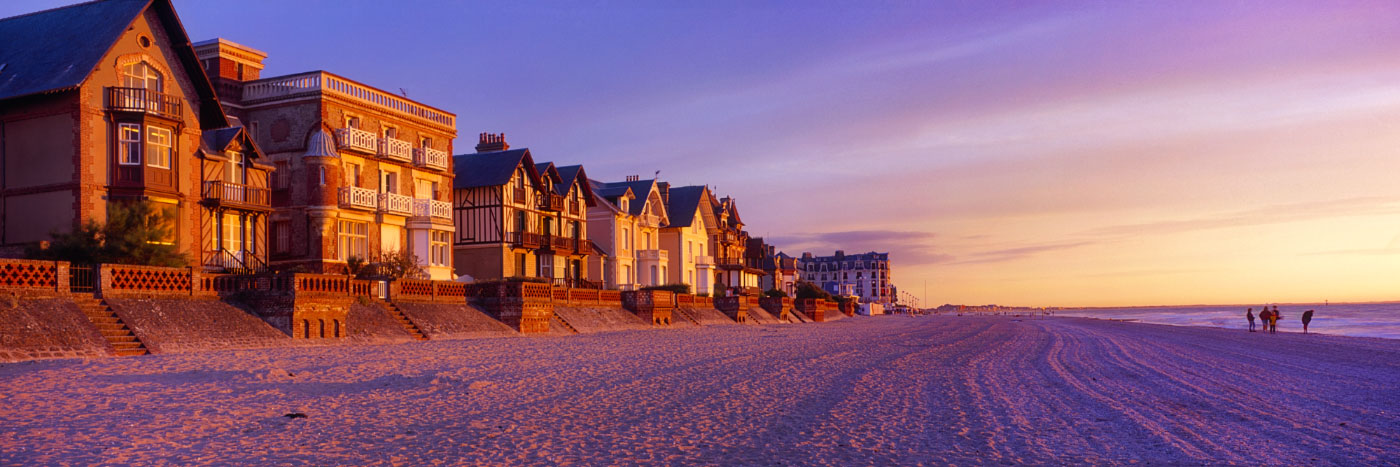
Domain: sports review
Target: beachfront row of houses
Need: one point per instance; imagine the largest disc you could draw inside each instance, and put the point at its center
(110, 102)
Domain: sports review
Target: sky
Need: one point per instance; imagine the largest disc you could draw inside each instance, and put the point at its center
(1019, 153)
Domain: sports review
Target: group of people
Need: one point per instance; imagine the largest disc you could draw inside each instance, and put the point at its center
(1269, 319)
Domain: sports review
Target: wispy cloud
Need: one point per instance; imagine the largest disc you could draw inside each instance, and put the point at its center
(907, 247)
(1012, 254)
(1274, 214)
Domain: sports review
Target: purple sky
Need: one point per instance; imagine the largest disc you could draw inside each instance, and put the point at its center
(1029, 153)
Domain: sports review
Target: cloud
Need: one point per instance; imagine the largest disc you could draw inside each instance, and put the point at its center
(1274, 214)
(905, 247)
(1011, 254)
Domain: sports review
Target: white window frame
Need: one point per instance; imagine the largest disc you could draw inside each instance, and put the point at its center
(438, 247)
(352, 239)
(161, 148)
(128, 150)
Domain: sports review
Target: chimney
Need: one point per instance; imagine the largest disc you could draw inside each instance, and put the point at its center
(665, 189)
(228, 64)
(492, 142)
(633, 178)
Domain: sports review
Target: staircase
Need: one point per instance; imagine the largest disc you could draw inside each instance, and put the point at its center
(407, 324)
(686, 315)
(110, 325)
(566, 323)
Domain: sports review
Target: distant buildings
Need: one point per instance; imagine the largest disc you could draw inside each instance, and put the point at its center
(866, 275)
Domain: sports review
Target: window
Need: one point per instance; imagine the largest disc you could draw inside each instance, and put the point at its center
(388, 181)
(425, 142)
(237, 169)
(281, 176)
(437, 246)
(158, 147)
(233, 234)
(142, 75)
(424, 189)
(169, 221)
(391, 132)
(546, 266)
(282, 235)
(129, 144)
(626, 239)
(322, 172)
(354, 174)
(352, 121)
(520, 265)
(353, 240)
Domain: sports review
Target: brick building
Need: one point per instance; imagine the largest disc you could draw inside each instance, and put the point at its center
(359, 172)
(866, 275)
(736, 272)
(104, 103)
(517, 218)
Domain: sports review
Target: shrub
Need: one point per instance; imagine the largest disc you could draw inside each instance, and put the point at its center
(806, 290)
(677, 288)
(774, 293)
(135, 233)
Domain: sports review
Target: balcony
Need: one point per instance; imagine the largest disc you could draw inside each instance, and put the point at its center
(431, 158)
(326, 84)
(526, 239)
(395, 204)
(704, 261)
(355, 139)
(395, 149)
(652, 255)
(552, 202)
(432, 208)
(729, 263)
(145, 101)
(584, 247)
(220, 193)
(562, 245)
(358, 198)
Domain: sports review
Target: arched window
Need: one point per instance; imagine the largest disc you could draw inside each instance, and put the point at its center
(142, 75)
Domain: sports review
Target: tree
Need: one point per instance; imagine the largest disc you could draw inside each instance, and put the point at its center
(135, 233)
(807, 290)
(397, 264)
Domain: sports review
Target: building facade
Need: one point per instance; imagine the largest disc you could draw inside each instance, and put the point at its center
(626, 222)
(736, 273)
(516, 218)
(361, 175)
(105, 103)
(865, 275)
(686, 236)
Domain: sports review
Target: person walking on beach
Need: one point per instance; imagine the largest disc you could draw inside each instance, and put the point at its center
(1307, 318)
(1249, 315)
(1264, 318)
(1273, 320)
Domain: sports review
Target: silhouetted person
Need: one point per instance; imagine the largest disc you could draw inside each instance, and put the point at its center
(1273, 320)
(1264, 318)
(1307, 318)
(1249, 315)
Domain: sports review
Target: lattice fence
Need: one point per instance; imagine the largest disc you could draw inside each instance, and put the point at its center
(28, 274)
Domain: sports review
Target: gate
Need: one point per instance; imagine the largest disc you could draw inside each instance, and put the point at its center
(82, 278)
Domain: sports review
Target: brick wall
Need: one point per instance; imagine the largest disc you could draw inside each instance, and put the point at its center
(36, 327)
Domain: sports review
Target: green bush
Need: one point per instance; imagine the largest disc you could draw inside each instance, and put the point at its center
(774, 293)
(135, 233)
(677, 288)
(806, 290)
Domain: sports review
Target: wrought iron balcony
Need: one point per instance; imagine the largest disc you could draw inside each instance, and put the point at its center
(358, 198)
(235, 194)
(355, 139)
(145, 100)
(431, 158)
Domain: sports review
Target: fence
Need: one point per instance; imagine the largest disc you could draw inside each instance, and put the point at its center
(34, 275)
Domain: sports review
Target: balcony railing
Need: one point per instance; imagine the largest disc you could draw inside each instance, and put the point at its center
(399, 150)
(584, 247)
(358, 198)
(221, 192)
(145, 100)
(526, 239)
(432, 208)
(355, 139)
(704, 260)
(659, 255)
(552, 202)
(320, 82)
(395, 203)
(431, 158)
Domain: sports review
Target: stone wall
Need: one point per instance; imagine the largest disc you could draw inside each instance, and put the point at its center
(590, 319)
(369, 322)
(170, 325)
(453, 321)
(36, 327)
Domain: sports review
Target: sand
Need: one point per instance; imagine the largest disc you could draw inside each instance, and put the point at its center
(866, 390)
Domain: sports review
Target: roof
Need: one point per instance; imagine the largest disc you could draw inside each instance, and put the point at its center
(608, 190)
(215, 142)
(571, 173)
(56, 50)
(640, 188)
(490, 168)
(59, 48)
(682, 204)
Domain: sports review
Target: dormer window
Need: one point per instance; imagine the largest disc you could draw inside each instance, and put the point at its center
(237, 169)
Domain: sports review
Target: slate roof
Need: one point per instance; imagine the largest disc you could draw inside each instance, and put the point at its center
(640, 188)
(608, 190)
(569, 174)
(490, 168)
(682, 204)
(215, 142)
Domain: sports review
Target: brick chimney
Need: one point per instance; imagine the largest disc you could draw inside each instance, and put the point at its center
(229, 64)
(492, 142)
(633, 178)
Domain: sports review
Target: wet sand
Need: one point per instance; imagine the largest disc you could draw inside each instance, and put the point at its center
(881, 390)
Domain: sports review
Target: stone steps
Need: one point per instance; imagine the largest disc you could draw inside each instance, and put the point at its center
(686, 315)
(566, 323)
(403, 320)
(124, 343)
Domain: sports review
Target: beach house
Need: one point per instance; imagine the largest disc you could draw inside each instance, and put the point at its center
(685, 237)
(517, 218)
(361, 174)
(735, 274)
(626, 223)
(105, 103)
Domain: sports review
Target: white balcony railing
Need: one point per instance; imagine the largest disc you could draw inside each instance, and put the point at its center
(704, 260)
(658, 255)
(320, 82)
(395, 203)
(395, 149)
(432, 208)
(355, 139)
(432, 158)
(356, 197)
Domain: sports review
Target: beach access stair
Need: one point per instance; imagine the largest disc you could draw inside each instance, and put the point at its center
(124, 343)
(408, 324)
(688, 317)
(568, 326)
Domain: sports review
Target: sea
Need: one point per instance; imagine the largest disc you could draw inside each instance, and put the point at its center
(1346, 319)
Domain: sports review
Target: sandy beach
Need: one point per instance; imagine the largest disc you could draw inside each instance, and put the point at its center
(883, 390)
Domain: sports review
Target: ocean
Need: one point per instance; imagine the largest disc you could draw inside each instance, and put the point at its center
(1346, 319)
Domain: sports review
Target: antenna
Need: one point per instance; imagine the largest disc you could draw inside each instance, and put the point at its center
(403, 91)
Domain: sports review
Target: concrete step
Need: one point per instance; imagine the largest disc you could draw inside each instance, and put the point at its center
(131, 352)
(127, 338)
(118, 330)
(127, 345)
